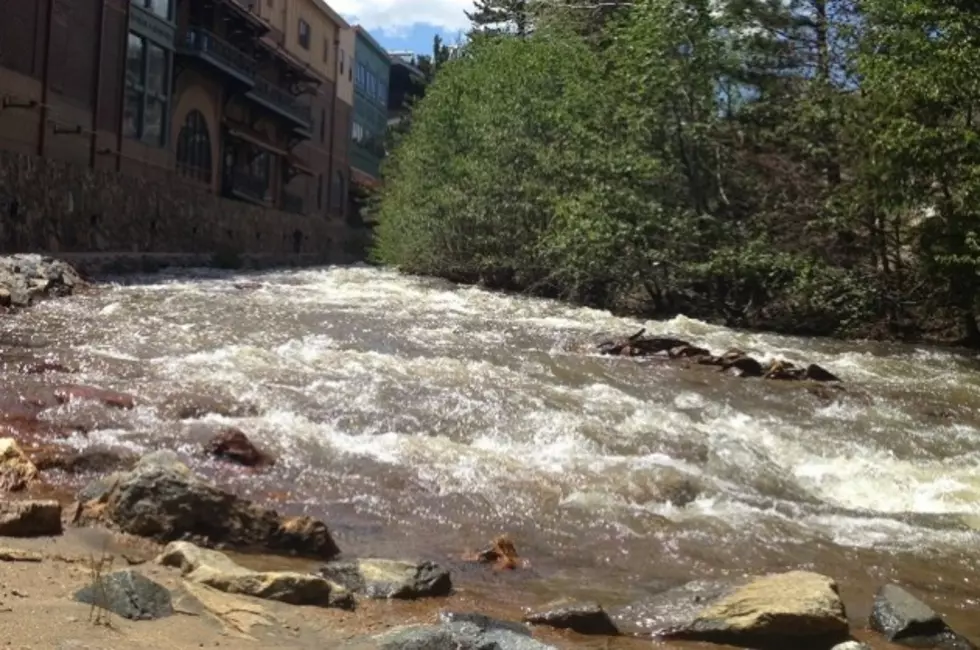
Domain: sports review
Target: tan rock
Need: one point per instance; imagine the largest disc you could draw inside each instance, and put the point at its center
(16, 469)
(793, 605)
(30, 518)
(218, 571)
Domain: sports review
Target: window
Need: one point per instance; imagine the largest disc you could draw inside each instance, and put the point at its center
(161, 8)
(341, 62)
(194, 148)
(319, 192)
(304, 34)
(339, 191)
(323, 125)
(147, 91)
(326, 50)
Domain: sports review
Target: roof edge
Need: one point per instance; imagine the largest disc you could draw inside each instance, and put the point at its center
(360, 31)
(332, 13)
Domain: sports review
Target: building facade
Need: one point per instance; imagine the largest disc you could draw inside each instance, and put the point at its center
(370, 122)
(241, 98)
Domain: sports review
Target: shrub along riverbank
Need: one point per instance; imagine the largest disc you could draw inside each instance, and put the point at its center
(802, 167)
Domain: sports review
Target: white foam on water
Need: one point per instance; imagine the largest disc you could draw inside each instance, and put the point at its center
(416, 374)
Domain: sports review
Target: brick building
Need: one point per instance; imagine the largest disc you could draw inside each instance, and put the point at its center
(243, 98)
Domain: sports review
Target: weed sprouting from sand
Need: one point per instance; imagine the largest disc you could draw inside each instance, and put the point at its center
(98, 566)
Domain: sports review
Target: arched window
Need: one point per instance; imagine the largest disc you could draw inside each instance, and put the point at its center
(194, 149)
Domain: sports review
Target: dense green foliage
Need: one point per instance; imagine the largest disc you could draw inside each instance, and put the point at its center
(801, 166)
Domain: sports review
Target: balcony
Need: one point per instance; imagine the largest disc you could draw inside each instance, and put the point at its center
(282, 103)
(221, 55)
(292, 203)
(245, 186)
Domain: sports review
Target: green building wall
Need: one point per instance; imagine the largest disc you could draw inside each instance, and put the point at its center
(370, 121)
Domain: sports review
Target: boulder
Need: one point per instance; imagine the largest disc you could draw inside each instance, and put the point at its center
(163, 500)
(25, 278)
(790, 609)
(234, 445)
(584, 618)
(455, 632)
(30, 518)
(385, 579)
(128, 594)
(787, 608)
(16, 469)
(851, 645)
(77, 461)
(906, 620)
(112, 399)
(218, 571)
(816, 373)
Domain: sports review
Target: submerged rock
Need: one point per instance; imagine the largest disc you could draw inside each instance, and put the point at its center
(128, 594)
(112, 399)
(584, 618)
(794, 607)
(501, 553)
(218, 571)
(163, 500)
(234, 445)
(30, 518)
(16, 469)
(906, 620)
(390, 578)
(78, 461)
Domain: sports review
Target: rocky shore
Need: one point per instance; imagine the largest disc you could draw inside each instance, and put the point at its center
(149, 554)
(26, 279)
(158, 546)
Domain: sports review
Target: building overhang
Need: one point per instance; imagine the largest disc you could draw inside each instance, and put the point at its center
(241, 133)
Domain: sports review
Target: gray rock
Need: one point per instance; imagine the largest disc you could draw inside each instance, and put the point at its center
(387, 579)
(30, 518)
(128, 594)
(24, 278)
(906, 620)
(163, 500)
(669, 608)
(218, 571)
(457, 632)
(584, 618)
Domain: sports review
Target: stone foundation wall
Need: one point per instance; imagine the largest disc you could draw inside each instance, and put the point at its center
(49, 206)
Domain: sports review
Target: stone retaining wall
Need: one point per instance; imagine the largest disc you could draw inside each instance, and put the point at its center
(48, 206)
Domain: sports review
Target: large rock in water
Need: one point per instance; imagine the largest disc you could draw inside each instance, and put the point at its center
(906, 620)
(128, 594)
(25, 278)
(390, 578)
(791, 609)
(163, 500)
(218, 571)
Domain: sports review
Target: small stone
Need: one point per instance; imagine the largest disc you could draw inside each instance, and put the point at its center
(128, 594)
(584, 618)
(30, 518)
(234, 445)
(851, 645)
(17, 555)
(383, 579)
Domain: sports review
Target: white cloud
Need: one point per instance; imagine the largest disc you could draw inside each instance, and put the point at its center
(394, 16)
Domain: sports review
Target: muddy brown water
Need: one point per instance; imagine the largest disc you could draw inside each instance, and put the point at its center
(422, 419)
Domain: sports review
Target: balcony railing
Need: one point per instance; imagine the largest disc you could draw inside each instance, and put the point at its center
(290, 202)
(282, 102)
(220, 53)
(249, 186)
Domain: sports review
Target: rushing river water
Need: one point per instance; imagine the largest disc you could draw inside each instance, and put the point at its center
(420, 418)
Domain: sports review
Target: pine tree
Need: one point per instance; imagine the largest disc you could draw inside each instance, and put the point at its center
(500, 17)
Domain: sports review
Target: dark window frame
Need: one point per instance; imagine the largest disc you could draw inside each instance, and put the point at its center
(304, 34)
(194, 159)
(139, 95)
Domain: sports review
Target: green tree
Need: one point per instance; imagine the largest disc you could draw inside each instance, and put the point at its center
(500, 17)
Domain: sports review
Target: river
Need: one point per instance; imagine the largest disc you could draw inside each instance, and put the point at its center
(420, 418)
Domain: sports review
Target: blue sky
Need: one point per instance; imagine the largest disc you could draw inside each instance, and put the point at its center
(407, 24)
